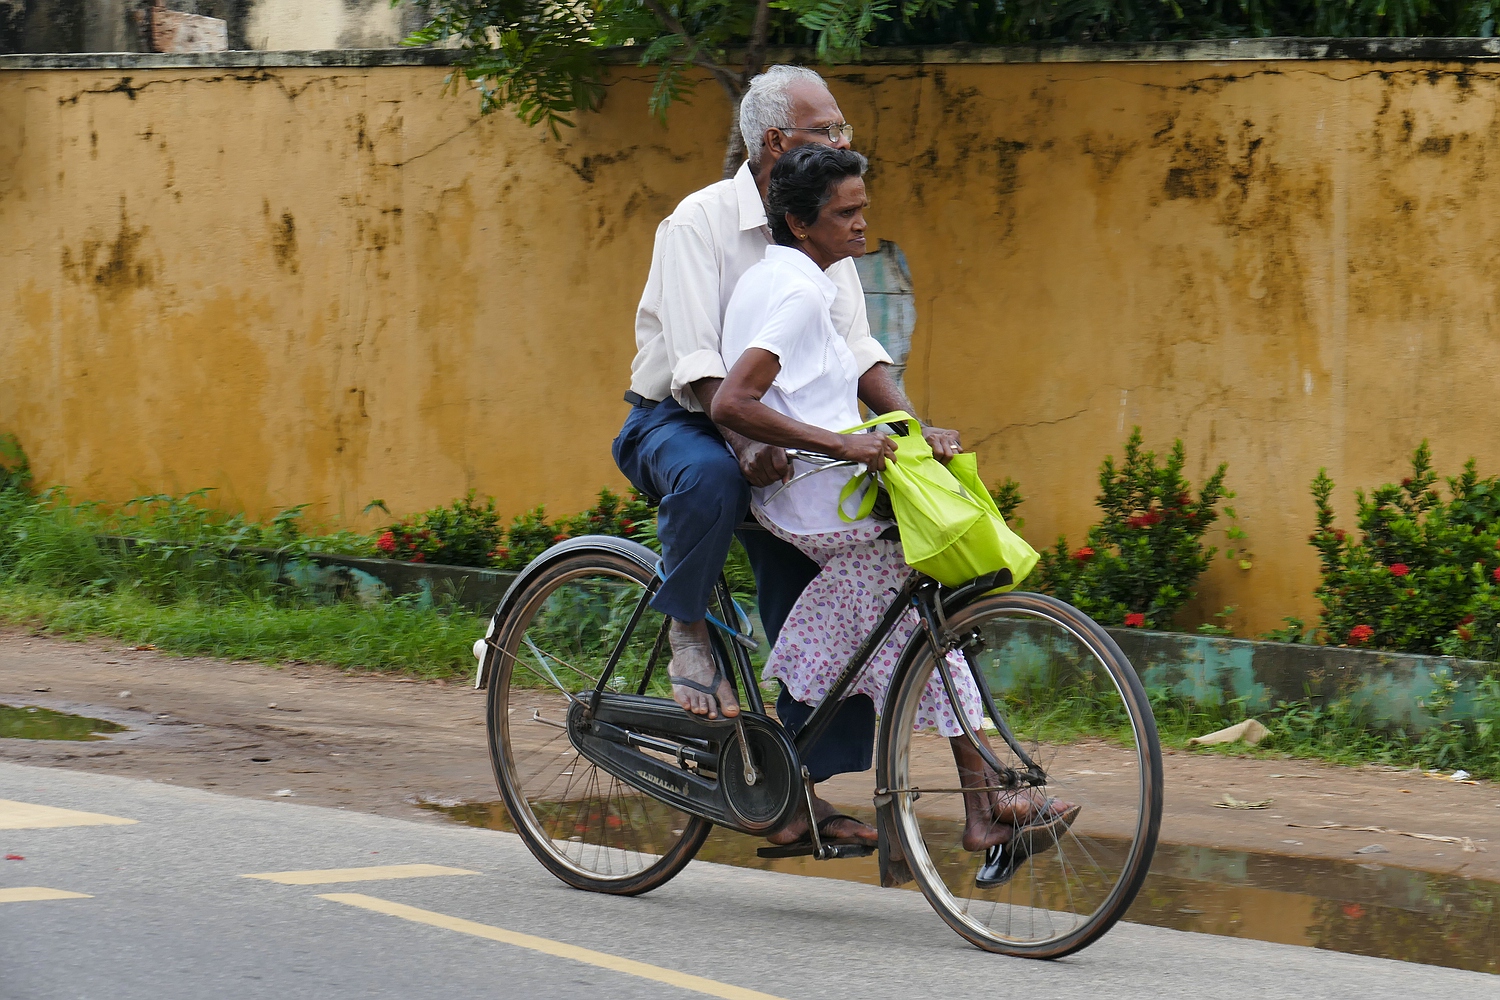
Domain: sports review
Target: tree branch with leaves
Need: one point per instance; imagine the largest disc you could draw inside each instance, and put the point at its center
(545, 60)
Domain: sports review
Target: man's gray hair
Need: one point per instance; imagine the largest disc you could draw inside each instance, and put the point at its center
(766, 105)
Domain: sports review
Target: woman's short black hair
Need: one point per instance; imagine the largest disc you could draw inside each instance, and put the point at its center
(802, 182)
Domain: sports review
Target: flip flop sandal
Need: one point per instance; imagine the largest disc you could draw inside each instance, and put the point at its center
(711, 688)
(1002, 861)
(845, 847)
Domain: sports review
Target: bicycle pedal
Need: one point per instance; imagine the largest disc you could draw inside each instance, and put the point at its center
(849, 851)
(806, 850)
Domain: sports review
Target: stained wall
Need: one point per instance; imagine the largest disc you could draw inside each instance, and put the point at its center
(333, 284)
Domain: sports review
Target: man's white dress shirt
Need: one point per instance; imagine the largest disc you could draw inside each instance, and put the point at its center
(712, 238)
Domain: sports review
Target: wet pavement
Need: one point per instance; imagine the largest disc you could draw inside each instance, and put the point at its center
(1361, 909)
(29, 722)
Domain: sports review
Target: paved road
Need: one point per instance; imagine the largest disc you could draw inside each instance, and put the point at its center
(162, 910)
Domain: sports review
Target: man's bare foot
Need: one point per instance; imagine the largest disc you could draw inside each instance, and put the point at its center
(693, 673)
(845, 828)
(991, 817)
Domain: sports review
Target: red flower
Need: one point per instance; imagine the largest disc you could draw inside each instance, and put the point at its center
(386, 543)
(1135, 620)
(1361, 633)
(1406, 482)
(1084, 554)
(418, 557)
(1410, 592)
(1183, 499)
(1465, 634)
(501, 553)
(560, 536)
(1145, 520)
(1339, 534)
(1467, 620)
(1496, 574)
(627, 526)
(1400, 569)
(1353, 911)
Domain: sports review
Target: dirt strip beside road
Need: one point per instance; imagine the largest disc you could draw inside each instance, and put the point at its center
(382, 744)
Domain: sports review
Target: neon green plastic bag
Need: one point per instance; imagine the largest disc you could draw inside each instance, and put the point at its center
(950, 527)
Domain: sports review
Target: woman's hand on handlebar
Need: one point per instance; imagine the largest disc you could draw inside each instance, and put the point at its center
(873, 450)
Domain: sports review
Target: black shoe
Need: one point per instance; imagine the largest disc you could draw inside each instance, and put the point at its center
(1003, 860)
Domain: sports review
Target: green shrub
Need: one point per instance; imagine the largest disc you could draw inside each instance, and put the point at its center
(1421, 577)
(464, 533)
(15, 469)
(1138, 565)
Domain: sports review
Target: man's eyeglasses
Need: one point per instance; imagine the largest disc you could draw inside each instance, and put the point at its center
(834, 132)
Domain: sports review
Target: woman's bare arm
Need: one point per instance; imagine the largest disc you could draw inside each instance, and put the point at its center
(737, 405)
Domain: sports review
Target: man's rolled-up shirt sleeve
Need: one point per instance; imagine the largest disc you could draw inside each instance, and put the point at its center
(691, 324)
(851, 319)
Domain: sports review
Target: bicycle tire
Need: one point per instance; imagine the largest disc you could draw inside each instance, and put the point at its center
(638, 843)
(1064, 896)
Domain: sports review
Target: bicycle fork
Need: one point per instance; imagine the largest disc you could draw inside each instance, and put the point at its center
(942, 641)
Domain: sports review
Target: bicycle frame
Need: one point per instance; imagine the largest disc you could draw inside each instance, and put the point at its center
(921, 592)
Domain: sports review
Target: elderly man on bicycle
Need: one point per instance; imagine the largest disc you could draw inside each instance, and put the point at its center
(673, 452)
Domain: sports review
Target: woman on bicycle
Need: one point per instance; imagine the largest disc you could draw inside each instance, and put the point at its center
(793, 383)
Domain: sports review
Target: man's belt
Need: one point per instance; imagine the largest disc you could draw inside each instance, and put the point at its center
(636, 399)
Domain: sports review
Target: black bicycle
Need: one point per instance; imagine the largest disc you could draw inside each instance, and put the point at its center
(614, 787)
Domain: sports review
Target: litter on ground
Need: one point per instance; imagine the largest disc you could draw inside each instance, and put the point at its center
(1466, 843)
(1250, 731)
(1230, 802)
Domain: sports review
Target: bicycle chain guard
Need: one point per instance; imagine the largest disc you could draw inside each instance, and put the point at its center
(693, 764)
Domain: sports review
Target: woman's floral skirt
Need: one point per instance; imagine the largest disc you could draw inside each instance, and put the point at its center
(860, 576)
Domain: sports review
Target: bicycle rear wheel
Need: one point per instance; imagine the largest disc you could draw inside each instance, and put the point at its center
(586, 826)
(1074, 706)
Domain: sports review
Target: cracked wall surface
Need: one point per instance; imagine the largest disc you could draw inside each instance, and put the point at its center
(335, 284)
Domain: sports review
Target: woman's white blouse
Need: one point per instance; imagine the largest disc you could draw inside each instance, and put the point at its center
(782, 305)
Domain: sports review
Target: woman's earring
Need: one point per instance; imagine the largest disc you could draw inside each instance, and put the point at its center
(801, 236)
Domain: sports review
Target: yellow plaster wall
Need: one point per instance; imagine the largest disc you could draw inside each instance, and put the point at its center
(332, 285)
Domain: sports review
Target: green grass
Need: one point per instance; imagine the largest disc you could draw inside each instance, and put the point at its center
(395, 635)
(188, 594)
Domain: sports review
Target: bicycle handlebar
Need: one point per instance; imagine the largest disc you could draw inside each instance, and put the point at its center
(817, 458)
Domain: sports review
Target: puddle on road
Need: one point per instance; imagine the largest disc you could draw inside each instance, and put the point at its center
(1368, 909)
(31, 723)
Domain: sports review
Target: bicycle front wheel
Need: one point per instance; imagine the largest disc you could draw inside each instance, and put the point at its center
(582, 823)
(1073, 705)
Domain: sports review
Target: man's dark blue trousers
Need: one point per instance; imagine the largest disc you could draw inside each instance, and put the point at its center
(678, 458)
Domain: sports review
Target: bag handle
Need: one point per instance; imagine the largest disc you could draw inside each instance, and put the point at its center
(867, 504)
(913, 425)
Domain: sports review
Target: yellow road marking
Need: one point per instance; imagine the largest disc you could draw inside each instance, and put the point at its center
(28, 816)
(31, 893)
(656, 973)
(374, 873)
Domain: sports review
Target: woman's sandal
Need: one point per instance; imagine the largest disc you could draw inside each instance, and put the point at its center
(804, 845)
(1003, 860)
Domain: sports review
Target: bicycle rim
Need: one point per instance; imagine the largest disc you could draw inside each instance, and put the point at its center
(586, 826)
(1074, 706)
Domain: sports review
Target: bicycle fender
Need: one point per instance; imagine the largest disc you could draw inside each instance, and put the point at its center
(634, 551)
